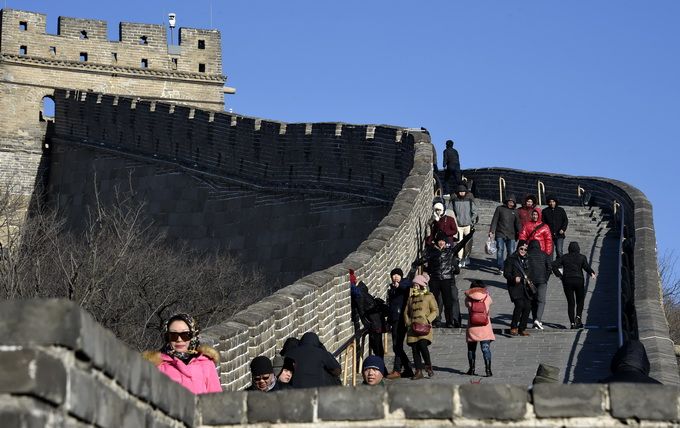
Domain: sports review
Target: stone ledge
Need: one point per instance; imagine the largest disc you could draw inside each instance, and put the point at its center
(351, 404)
(29, 371)
(644, 401)
(424, 401)
(558, 400)
(282, 406)
(504, 402)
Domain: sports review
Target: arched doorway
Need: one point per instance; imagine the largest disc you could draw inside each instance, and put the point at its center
(47, 109)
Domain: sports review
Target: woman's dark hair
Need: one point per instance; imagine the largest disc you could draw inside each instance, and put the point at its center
(477, 283)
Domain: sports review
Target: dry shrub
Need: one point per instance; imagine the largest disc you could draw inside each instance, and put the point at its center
(119, 268)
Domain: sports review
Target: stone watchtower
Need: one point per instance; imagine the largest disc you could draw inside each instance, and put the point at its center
(139, 64)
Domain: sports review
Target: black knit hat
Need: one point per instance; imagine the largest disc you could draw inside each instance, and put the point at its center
(396, 271)
(261, 366)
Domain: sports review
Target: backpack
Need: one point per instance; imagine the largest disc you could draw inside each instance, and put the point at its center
(478, 314)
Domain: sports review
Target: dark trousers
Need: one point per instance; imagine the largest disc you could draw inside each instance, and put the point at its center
(520, 314)
(449, 293)
(398, 331)
(420, 353)
(452, 177)
(375, 344)
(558, 247)
(575, 292)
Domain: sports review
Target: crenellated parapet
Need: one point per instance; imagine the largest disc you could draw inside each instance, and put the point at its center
(367, 161)
(142, 46)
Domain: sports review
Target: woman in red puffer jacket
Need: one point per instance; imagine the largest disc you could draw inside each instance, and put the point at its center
(538, 231)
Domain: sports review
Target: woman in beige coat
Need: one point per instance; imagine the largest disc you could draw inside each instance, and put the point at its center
(421, 307)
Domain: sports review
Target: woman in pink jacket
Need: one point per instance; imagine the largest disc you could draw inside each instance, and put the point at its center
(183, 359)
(478, 301)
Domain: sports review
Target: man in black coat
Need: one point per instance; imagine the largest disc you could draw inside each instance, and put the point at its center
(397, 296)
(442, 265)
(514, 271)
(452, 175)
(314, 365)
(540, 269)
(505, 227)
(556, 219)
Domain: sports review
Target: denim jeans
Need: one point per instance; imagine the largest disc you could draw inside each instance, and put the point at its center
(503, 244)
(558, 247)
(486, 350)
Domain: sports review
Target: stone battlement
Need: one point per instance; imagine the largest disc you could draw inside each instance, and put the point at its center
(142, 46)
(369, 161)
(58, 367)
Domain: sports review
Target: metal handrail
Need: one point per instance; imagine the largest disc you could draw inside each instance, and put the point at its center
(501, 188)
(619, 278)
(616, 205)
(349, 349)
(540, 186)
(580, 191)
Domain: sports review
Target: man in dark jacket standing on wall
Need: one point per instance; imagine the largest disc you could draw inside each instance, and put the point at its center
(442, 265)
(397, 295)
(505, 226)
(452, 174)
(556, 219)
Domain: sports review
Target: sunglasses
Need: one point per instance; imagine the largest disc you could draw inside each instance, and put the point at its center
(174, 336)
(262, 378)
(523, 248)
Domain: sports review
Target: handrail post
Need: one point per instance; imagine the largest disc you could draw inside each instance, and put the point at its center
(354, 362)
(501, 188)
(540, 186)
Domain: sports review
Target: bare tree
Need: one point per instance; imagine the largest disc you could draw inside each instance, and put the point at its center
(119, 268)
(670, 283)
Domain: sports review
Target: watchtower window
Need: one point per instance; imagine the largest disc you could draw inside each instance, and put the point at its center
(83, 35)
(201, 68)
(143, 40)
(114, 56)
(53, 50)
(46, 108)
(201, 44)
(174, 63)
(144, 63)
(83, 57)
(23, 25)
(23, 50)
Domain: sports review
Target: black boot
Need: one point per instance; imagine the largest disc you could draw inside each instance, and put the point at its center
(471, 370)
(487, 365)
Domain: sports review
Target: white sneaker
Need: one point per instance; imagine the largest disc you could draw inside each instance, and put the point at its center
(538, 325)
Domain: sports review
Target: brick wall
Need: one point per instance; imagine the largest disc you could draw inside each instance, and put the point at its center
(368, 160)
(642, 314)
(59, 368)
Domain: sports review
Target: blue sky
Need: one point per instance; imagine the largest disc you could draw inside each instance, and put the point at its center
(581, 87)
